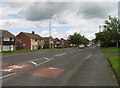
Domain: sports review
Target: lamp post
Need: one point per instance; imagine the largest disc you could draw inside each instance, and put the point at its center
(100, 27)
(50, 27)
(117, 38)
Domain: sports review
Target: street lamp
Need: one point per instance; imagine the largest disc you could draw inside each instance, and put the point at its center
(50, 27)
(100, 27)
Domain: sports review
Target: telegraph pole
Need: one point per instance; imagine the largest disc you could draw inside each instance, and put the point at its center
(50, 21)
(100, 28)
(50, 27)
(100, 31)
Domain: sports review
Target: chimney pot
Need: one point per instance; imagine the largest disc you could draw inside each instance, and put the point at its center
(33, 32)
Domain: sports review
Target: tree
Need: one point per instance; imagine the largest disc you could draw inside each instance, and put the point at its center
(110, 33)
(77, 39)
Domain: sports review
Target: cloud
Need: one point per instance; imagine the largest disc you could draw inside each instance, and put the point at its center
(83, 17)
(55, 33)
(41, 11)
(96, 10)
(119, 10)
(63, 10)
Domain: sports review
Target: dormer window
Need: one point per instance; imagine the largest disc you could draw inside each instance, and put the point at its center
(34, 40)
(11, 39)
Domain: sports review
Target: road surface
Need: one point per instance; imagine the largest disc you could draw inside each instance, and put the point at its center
(58, 67)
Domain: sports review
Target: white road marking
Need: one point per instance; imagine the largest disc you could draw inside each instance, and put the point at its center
(16, 66)
(52, 68)
(8, 70)
(34, 63)
(60, 54)
(45, 61)
(88, 56)
(35, 60)
(7, 75)
(45, 58)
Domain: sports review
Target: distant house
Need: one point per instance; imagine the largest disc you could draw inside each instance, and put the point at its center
(64, 43)
(7, 41)
(48, 42)
(29, 41)
(57, 43)
(61, 43)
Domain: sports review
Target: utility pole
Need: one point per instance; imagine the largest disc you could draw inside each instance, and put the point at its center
(118, 39)
(50, 21)
(100, 28)
(100, 31)
(50, 27)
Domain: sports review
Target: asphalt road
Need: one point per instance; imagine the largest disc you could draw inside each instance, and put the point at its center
(59, 67)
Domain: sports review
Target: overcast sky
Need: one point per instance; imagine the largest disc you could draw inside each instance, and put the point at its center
(67, 17)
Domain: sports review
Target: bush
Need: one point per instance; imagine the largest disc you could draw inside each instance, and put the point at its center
(46, 46)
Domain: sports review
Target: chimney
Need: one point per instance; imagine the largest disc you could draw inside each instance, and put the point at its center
(33, 32)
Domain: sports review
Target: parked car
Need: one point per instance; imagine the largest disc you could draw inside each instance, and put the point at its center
(81, 46)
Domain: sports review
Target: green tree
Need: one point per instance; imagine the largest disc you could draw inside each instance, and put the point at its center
(110, 33)
(77, 39)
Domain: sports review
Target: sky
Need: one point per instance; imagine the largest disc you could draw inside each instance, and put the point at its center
(66, 17)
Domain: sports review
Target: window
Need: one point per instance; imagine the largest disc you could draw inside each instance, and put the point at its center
(34, 40)
(34, 47)
(6, 39)
(12, 47)
(11, 39)
(0, 48)
(6, 48)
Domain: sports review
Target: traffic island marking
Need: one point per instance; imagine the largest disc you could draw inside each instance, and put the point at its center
(48, 72)
(16, 68)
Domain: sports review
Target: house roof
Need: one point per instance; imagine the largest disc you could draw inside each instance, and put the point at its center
(33, 36)
(5, 33)
(47, 38)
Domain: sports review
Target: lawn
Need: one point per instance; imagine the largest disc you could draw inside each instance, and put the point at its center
(116, 65)
(115, 60)
(4, 53)
(111, 50)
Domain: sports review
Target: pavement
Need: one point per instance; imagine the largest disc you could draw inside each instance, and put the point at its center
(59, 67)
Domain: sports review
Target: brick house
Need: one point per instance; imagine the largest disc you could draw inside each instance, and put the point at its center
(48, 42)
(64, 43)
(61, 43)
(29, 41)
(7, 41)
(57, 43)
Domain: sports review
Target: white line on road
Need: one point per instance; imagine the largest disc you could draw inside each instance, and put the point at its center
(88, 56)
(34, 63)
(35, 60)
(61, 54)
(45, 61)
(7, 75)
(45, 58)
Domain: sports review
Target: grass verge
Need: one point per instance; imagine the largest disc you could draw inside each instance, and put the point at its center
(111, 50)
(4, 53)
(115, 62)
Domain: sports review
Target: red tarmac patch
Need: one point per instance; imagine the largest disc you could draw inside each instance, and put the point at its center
(48, 72)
